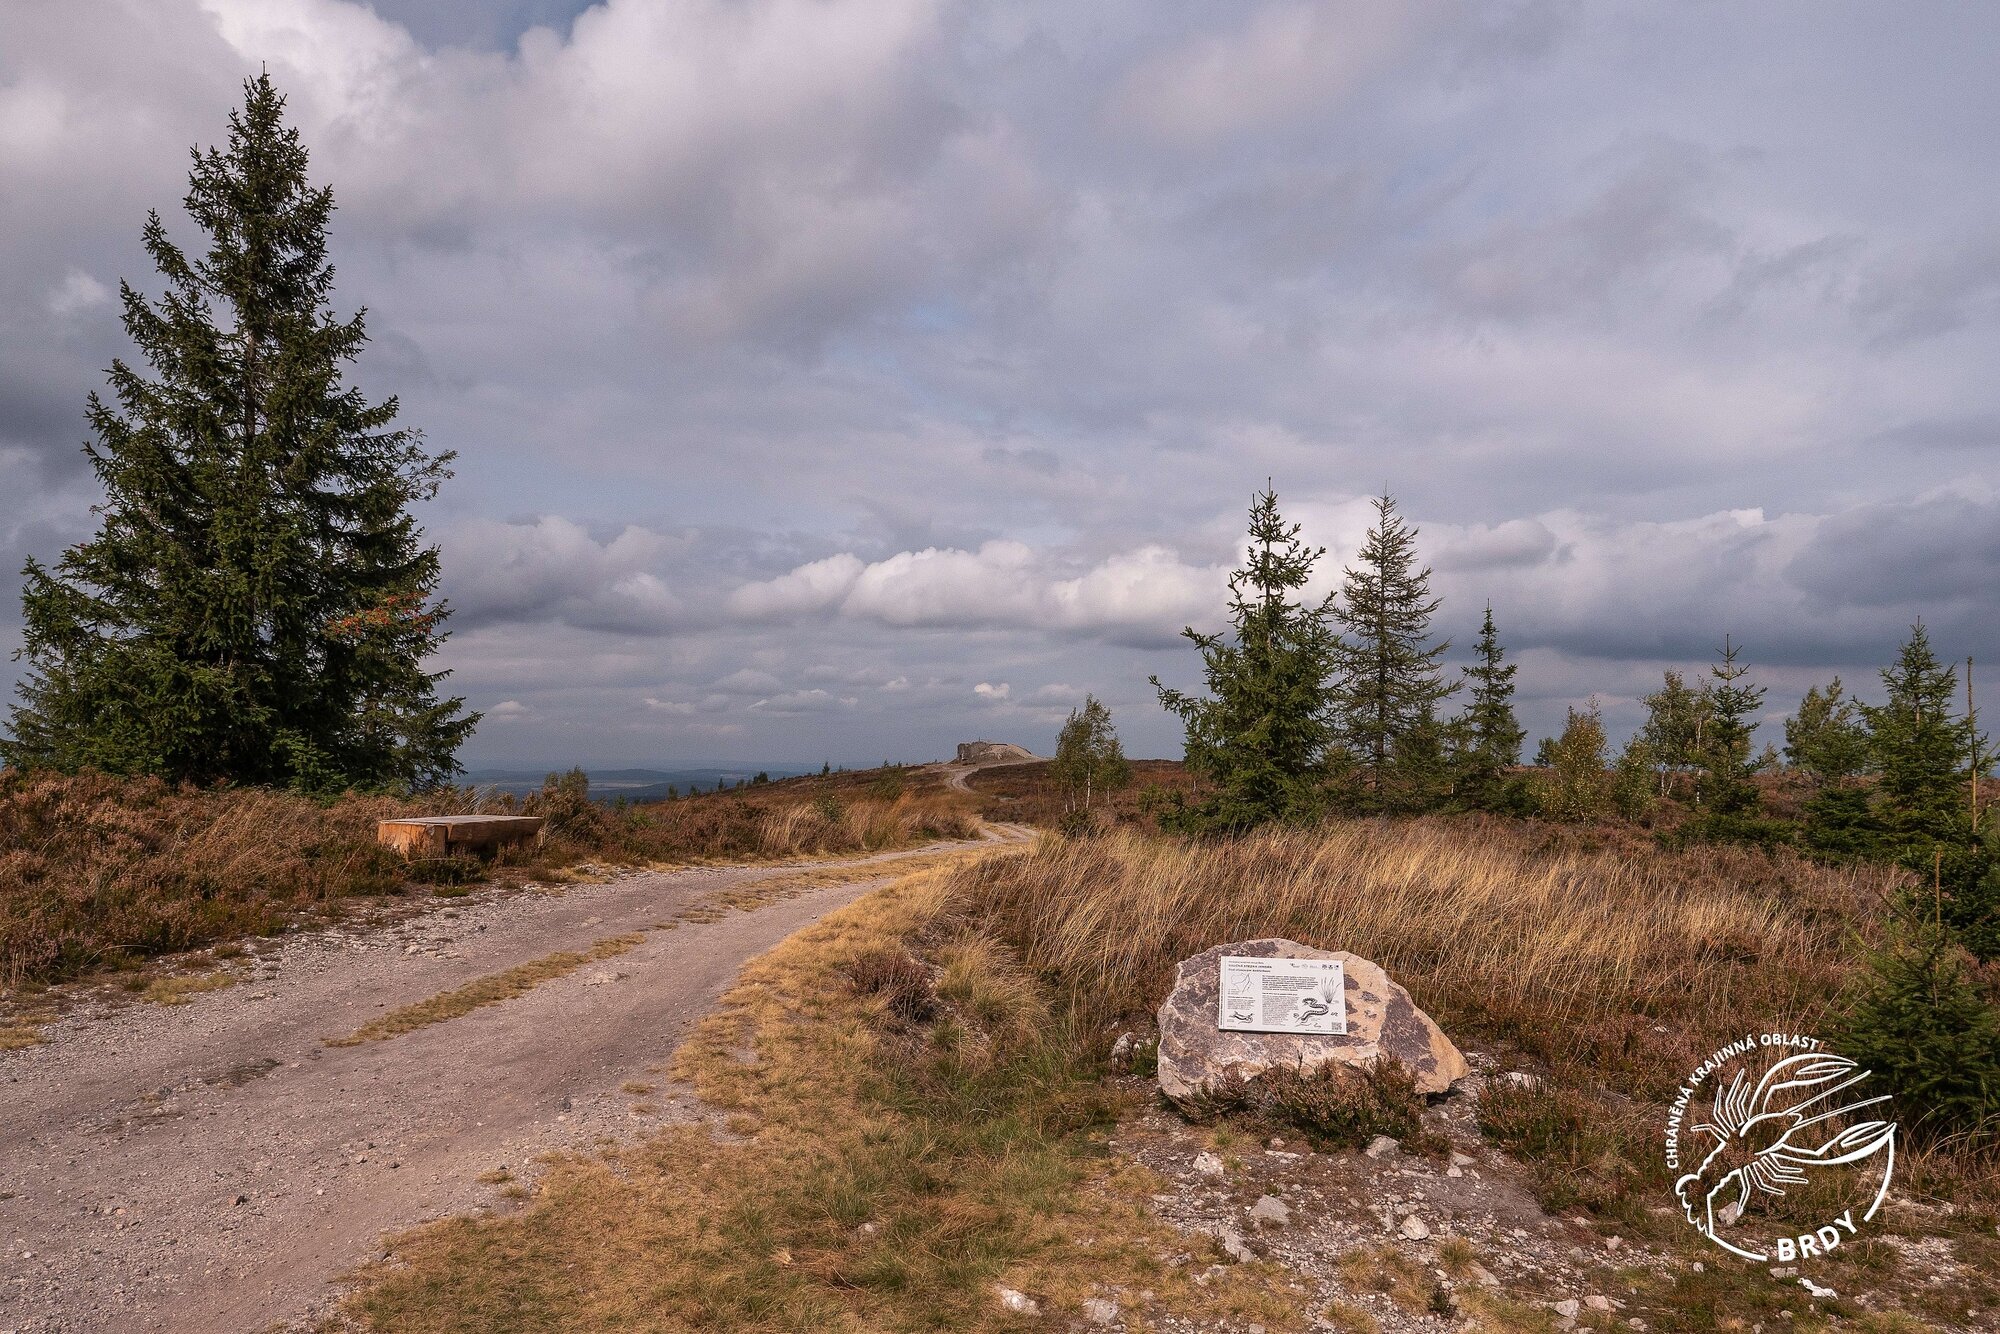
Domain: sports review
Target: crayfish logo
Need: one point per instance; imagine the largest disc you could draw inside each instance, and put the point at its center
(1783, 1120)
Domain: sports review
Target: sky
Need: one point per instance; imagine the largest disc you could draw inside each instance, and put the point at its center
(842, 379)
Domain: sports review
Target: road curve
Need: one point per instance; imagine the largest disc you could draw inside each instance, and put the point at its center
(214, 1165)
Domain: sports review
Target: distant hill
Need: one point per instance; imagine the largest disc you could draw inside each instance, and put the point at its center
(631, 784)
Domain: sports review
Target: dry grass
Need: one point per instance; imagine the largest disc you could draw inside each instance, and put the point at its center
(921, 1117)
(98, 872)
(1576, 956)
(1614, 969)
(96, 869)
(489, 990)
(181, 988)
(866, 1172)
(1029, 794)
(800, 817)
(26, 1031)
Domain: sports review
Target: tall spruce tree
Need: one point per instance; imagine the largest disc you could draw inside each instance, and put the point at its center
(258, 604)
(1391, 680)
(1265, 736)
(1492, 734)
(1921, 748)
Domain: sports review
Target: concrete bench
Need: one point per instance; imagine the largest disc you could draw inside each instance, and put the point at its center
(442, 835)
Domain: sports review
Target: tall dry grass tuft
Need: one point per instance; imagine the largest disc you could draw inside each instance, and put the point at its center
(94, 869)
(1631, 965)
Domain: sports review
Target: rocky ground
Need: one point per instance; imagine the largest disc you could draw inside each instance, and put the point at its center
(1402, 1238)
(1388, 1240)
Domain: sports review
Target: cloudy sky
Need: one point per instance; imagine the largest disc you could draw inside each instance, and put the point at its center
(839, 379)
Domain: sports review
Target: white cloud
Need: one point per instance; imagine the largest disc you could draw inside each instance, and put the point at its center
(879, 347)
(815, 586)
(805, 701)
(1148, 592)
(553, 569)
(986, 690)
(78, 292)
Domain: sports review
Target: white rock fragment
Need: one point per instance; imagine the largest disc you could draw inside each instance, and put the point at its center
(1019, 1302)
(1207, 1164)
(1415, 1228)
(1568, 1306)
(1815, 1289)
(1100, 1310)
(1381, 1147)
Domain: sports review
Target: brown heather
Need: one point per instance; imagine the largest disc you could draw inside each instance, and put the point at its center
(94, 869)
(98, 871)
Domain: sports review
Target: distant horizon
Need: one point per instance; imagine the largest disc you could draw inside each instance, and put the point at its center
(845, 380)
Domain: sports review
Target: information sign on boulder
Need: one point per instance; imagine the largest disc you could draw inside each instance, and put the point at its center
(1203, 1040)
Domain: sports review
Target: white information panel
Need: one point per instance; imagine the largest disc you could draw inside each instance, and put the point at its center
(1283, 995)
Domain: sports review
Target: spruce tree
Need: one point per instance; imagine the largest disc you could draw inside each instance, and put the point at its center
(1920, 747)
(1923, 752)
(1489, 733)
(257, 605)
(1724, 749)
(1916, 1018)
(1391, 678)
(1264, 738)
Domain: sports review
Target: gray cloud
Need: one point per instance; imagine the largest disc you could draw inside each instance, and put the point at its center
(812, 365)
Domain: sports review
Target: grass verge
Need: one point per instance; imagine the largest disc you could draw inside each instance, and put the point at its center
(489, 990)
(180, 988)
(914, 1129)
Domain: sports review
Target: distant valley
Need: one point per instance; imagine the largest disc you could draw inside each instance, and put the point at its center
(631, 784)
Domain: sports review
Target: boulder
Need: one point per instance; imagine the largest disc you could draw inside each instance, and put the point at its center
(1381, 1020)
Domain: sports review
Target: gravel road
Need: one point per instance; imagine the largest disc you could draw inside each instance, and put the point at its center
(212, 1166)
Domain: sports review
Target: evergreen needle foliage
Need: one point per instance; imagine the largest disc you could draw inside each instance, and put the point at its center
(257, 605)
(1265, 737)
(1391, 680)
(1724, 748)
(1920, 746)
(1918, 1020)
(1489, 733)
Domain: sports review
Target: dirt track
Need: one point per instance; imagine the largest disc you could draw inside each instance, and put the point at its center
(212, 1166)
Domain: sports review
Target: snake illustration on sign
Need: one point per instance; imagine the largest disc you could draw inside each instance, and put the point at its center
(1276, 995)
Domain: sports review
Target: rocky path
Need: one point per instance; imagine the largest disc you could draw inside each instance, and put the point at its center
(212, 1166)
